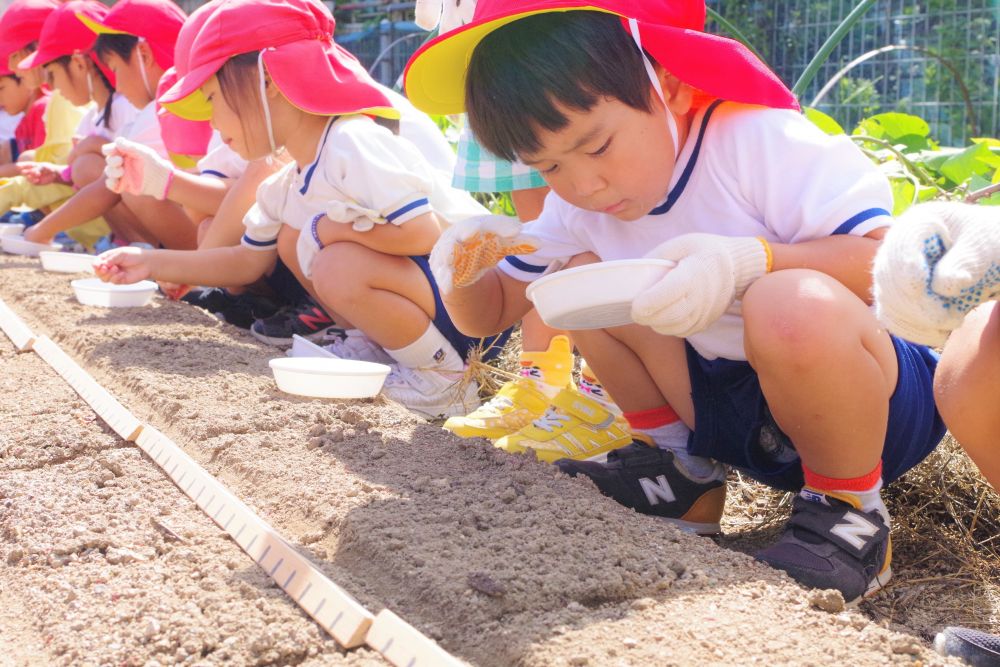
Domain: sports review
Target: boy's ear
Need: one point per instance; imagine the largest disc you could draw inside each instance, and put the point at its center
(679, 95)
(145, 51)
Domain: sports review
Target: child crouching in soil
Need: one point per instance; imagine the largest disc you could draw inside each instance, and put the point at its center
(357, 211)
(661, 141)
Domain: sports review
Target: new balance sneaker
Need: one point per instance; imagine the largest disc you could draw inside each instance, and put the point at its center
(975, 647)
(354, 344)
(573, 426)
(652, 481)
(829, 542)
(431, 393)
(305, 319)
(516, 405)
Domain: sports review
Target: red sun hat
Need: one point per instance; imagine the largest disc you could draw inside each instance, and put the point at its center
(672, 32)
(22, 23)
(156, 21)
(64, 34)
(296, 38)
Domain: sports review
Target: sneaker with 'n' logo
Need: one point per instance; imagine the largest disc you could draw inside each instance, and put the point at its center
(830, 542)
(652, 481)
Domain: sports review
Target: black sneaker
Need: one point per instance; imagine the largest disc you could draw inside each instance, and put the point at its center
(830, 543)
(240, 310)
(305, 319)
(973, 646)
(651, 481)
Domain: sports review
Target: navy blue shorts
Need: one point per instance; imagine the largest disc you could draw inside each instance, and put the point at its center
(285, 285)
(463, 344)
(732, 418)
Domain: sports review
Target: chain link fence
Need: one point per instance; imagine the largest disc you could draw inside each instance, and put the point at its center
(939, 59)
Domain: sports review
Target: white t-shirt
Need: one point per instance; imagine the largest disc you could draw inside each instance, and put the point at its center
(145, 129)
(8, 124)
(417, 127)
(122, 113)
(743, 171)
(221, 161)
(363, 175)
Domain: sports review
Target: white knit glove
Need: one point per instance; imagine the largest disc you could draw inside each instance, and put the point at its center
(937, 262)
(136, 169)
(472, 247)
(712, 272)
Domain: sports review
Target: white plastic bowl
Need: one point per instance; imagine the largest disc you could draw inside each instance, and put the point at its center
(16, 245)
(67, 262)
(328, 377)
(11, 229)
(595, 296)
(94, 292)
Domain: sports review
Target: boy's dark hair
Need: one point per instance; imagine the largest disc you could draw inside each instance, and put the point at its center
(521, 73)
(63, 61)
(120, 45)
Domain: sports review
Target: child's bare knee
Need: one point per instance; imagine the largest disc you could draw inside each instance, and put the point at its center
(791, 314)
(338, 270)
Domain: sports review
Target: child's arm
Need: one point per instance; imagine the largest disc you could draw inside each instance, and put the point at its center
(414, 237)
(846, 258)
(216, 267)
(91, 144)
(91, 202)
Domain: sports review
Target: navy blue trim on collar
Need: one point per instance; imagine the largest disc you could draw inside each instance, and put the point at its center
(524, 266)
(854, 221)
(689, 167)
(213, 172)
(319, 156)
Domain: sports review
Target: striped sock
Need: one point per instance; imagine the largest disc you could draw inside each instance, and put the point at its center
(866, 489)
(667, 431)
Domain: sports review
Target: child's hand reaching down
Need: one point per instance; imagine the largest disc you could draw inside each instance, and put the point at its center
(712, 271)
(469, 249)
(937, 262)
(123, 266)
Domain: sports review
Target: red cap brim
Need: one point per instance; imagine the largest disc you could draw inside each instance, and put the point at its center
(718, 66)
(325, 79)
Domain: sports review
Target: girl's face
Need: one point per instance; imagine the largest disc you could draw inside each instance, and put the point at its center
(247, 136)
(128, 75)
(32, 78)
(70, 79)
(14, 95)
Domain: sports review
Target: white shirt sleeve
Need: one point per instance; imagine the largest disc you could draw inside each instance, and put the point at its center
(145, 129)
(221, 161)
(88, 124)
(556, 243)
(805, 184)
(368, 176)
(122, 114)
(264, 219)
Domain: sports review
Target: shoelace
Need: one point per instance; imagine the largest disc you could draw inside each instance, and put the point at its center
(497, 404)
(551, 420)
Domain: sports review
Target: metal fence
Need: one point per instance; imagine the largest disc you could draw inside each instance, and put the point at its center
(939, 59)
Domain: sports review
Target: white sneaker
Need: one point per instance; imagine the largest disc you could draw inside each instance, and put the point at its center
(431, 393)
(356, 345)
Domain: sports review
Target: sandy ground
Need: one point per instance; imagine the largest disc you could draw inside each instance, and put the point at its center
(499, 558)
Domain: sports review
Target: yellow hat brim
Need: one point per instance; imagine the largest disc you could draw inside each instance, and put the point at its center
(99, 28)
(435, 78)
(193, 107)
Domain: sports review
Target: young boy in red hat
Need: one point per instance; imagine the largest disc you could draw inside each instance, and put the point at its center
(758, 350)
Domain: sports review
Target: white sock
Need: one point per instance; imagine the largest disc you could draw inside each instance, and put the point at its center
(674, 437)
(589, 386)
(432, 351)
(870, 499)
